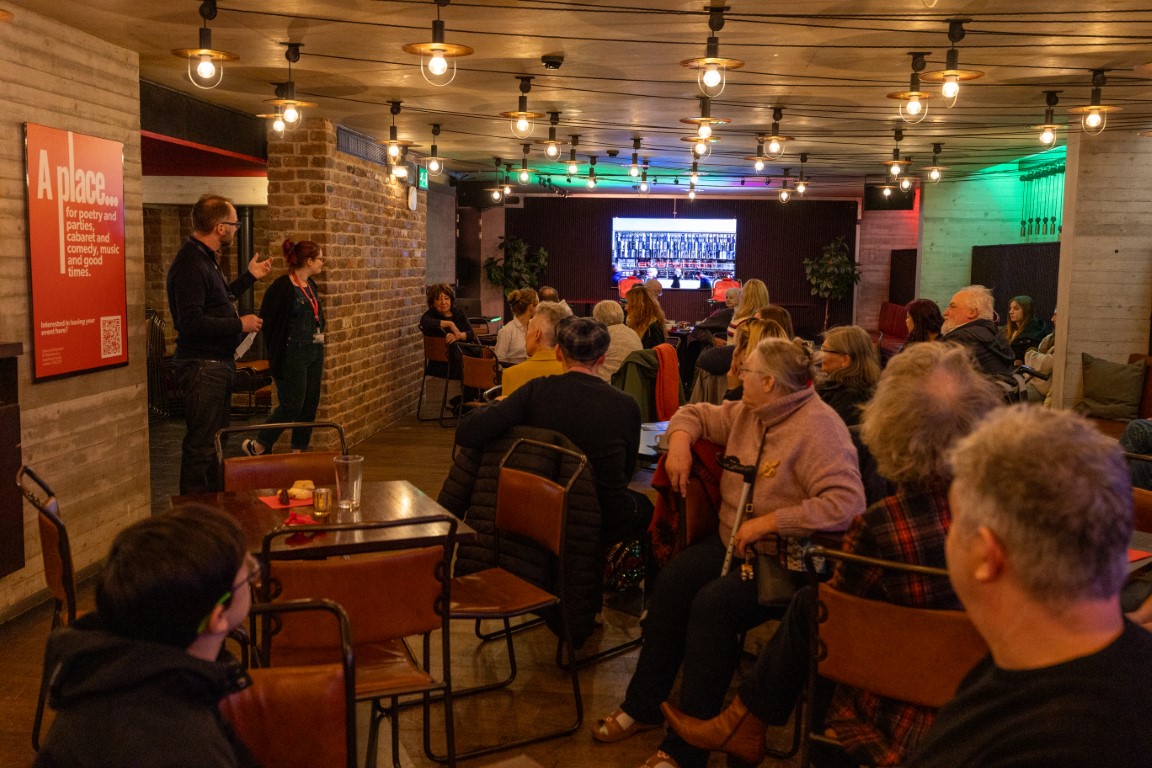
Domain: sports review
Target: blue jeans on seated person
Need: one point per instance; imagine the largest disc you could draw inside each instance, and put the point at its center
(694, 620)
(1137, 438)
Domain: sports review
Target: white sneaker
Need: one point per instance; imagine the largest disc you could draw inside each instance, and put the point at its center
(251, 447)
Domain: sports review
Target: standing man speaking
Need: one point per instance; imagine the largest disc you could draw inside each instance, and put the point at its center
(209, 329)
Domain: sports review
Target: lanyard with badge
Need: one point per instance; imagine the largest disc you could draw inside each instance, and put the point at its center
(305, 288)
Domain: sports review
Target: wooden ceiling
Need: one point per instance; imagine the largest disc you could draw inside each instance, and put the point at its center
(828, 65)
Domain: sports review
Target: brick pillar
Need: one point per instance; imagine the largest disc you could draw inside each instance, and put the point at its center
(373, 281)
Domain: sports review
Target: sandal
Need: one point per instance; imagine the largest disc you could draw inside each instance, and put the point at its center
(657, 758)
(609, 731)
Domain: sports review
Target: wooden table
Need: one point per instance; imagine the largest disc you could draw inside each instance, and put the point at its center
(380, 501)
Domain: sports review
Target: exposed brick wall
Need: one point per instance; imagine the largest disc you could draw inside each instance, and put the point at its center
(87, 435)
(881, 232)
(373, 282)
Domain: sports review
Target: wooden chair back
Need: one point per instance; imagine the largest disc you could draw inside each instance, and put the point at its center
(435, 349)
(267, 714)
(55, 547)
(479, 372)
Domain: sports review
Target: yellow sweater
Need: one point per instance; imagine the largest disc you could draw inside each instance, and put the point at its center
(543, 363)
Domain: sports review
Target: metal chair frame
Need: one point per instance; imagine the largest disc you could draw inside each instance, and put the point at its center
(435, 351)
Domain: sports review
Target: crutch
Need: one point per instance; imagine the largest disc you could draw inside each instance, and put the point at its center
(748, 472)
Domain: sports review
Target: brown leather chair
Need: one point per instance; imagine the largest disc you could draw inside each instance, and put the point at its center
(531, 508)
(389, 594)
(479, 373)
(59, 576)
(277, 470)
(267, 714)
(435, 356)
(916, 655)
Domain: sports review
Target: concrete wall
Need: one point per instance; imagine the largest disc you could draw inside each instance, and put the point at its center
(880, 233)
(1105, 290)
(374, 276)
(86, 435)
(441, 234)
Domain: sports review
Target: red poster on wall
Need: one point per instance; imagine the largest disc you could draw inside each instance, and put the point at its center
(75, 187)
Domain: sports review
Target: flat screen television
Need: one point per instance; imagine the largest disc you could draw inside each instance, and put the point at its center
(680, 253)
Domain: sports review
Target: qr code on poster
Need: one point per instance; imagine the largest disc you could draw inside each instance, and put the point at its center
(111, 338)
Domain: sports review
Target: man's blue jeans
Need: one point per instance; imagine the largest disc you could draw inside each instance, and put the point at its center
(207, 389)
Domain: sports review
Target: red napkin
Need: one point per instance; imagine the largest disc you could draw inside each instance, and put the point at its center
(295, 518)
(274, 502)
(1137, 554)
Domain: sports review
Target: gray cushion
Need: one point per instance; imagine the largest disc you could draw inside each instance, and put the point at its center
(1111, 390)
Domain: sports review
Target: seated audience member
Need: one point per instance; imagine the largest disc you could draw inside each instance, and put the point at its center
(923, 320)
(137, 682)
(1024, 329)
(927, 398)
(717, 322)
(1137, 438)
(510, 346)
(445, 319)
(540, 344)
(548, 293)
(654, 287)
(623, 340)
(780, 315)
(807, 481)
(1042, 360)
(645, 316)
(1038, 557)
(968, 321)
(753, 298)
(601, 420)
(748, 335)
(848, 361)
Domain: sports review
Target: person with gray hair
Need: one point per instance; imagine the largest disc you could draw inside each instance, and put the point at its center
(928, 397)
(603, 422)
(540, 344)
(968, 321)
(624, 340)
(1042, 517)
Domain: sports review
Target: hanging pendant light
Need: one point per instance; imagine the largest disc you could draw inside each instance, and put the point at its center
(951, 76)
(496, 193)
(592, 172)
(1049, 127)
(205, 63)
(936, 171)
(396, 147)
(802, 183)
(434, 163)
(705, 122)
(525, 174)
(692, 191)
(785, 194)
(288, 106)
(1094, 117)
(758, 158)
(896, 166)
(552, 145)
(712, 68)
(913, 102)
(645, 187)
(775, 141)
(634, 166)
(573, 166)
(521, 119)
(438, 58)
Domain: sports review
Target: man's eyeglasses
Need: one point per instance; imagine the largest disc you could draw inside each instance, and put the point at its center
(230, 223)
(255, 570)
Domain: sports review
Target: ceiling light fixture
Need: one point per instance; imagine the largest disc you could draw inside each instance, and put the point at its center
(802, 183)
(552, 146)
(525, 174)
(701, 148)
(712, 68)
(434, 163)
(573, 166)
(694, 176)
(705, 121)
(936, 171)
(896, 166)
(496, 192)
(758, 158)
(785, 194)
(286, 102)
(205, 63)
(634, 168)
(906, 184)
(396, 146)
(775, 140)
(1094, 117)
(592, 172)
(692, 191)
(645, 187)
(522, 119)
(951, 76)
(435, 56)
(913, 108)
(1049, 127)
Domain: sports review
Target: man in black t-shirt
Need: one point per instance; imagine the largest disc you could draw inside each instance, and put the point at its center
(1041, 521)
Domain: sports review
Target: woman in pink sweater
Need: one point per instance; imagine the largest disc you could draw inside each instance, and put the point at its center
(808, 481)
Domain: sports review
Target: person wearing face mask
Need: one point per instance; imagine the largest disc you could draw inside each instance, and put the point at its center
(807, 480)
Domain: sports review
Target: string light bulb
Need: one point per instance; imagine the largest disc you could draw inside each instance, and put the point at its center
(592, 172)
(936, 171)
(634, 167)
(775, 141)
(1094, 117)
(573, 166)
(435, 55)
(396, 146)
(521, 119)
(205, 63)
(801, 182)
(896, 166)
(785, 194)
(286, 103)
(951, 76)
(691, 191)
(552, 145)
(906, 183)
(711, 68)
(913, 106)
(434, 164)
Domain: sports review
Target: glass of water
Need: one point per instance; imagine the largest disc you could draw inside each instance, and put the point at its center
(349, 479)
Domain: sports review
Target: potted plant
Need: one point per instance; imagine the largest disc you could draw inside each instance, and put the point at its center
(832, 274)
(519, 267)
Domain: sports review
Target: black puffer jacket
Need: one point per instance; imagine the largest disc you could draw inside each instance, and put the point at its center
(469, 492)
(993, 355)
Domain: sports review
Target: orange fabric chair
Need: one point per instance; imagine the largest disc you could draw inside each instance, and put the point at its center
(408, 595)
(720, 287)
(266, 715)
(59, 576)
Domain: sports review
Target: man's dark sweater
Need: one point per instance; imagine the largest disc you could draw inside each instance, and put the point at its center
(993, 355)
(203, 305)
(601, 420)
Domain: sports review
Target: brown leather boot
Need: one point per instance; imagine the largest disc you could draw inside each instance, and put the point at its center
(735, 731)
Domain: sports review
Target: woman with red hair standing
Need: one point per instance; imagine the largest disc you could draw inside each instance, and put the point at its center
(294, 341)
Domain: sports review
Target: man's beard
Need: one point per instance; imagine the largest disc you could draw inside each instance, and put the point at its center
(948, 327)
